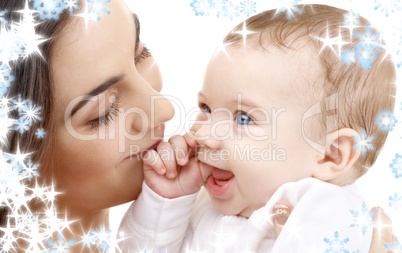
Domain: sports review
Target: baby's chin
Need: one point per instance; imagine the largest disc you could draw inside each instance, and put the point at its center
(228, 209)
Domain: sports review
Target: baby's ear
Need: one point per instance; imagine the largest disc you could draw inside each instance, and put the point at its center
(339, 156)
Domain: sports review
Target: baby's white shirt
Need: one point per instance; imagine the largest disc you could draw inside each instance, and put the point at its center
(322, 218)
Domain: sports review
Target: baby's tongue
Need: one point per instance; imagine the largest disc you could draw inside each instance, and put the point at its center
(221, 176)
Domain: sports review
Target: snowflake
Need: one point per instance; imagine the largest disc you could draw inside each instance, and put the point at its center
(98, 8)
(21, 125)
(363, 142)
(5, 81)
(365, 55)
(10, 46)
(49, 9)
(88, 240)
(18, 104)
(71, 5)
(336, 245)
(386, 121)
(387, 6)
(363, 218)
(201, 7)
(348, 57)
(395, 201)
(368, 38)
(395, 247)
(231, 11)
(5, 125)
(351, 18)
(2, 17)
(59, 246)
(103, 237)
(398, 59)
(30, 113)
(30, 171)
(248, 7)
(40, 133)
(289, 8)
(396, 166)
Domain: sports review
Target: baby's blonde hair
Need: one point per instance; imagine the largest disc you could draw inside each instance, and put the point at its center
(363, 91)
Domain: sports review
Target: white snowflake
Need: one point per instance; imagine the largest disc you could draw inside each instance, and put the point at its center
(363, 219)
(98, 7)
(6, 125)
(248, 7)
(231, 11)
(288, 7)
(363, 142)
(10, 46)
(30, 113)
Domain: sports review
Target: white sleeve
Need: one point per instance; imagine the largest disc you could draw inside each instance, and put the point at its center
(156, 224)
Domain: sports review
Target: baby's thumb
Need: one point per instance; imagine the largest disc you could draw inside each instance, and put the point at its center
(281, 213)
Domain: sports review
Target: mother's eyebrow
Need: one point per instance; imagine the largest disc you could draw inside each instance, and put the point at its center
(98, 90)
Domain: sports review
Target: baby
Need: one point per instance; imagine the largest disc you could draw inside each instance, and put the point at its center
(284, 108)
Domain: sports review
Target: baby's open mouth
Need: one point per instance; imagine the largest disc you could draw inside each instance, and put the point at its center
(219, 181)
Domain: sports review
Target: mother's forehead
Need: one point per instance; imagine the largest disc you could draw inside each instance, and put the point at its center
(86, 54)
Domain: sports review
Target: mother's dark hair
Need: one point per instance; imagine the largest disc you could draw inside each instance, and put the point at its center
(33, 81)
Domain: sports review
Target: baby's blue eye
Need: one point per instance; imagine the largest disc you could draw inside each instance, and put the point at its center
(243, 119)
(207, 109)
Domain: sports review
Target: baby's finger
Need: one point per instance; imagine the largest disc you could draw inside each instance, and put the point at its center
(281, 212)
(180, 149)
(190, 139)
(382, 233)
(166, 153)
(152, 161)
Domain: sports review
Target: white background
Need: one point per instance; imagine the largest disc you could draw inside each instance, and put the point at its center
(182, 44)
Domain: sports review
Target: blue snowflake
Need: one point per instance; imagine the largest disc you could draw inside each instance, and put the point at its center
(98, 8)
(59, 246)
(395, 201)
(21, 125)
(40, 133)
(201, 7)
(231, 11)
(336, 245)
(351, 18)
(103, 237)
(30, 171)
(5, 81)
(398, 59)
(49, 9)
(248, 7)
(71, 5)
(365, 50)
(363, 218)
(18, 104)
(289, 8)
(88, 240)
(387, 6)
(396, 166)
(30, 113)
(363, 142)
(348, 57)
(2, 17)
(395, 247)
(365, 55)
(368, 38)
(11, 46)
(386, 120)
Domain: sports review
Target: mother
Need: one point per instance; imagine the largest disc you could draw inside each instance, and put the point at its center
(98, 86)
